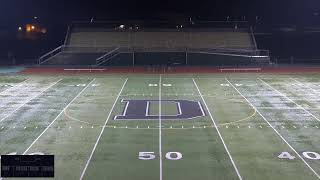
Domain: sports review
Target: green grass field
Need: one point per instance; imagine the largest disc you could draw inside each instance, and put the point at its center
(254, 126)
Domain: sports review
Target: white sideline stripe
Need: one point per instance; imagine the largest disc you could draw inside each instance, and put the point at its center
(58, 116)
(41, 92)
(215, 125)
(290, 100)
(275, 130)
(102, 130)
(160, 127)
(3, 92)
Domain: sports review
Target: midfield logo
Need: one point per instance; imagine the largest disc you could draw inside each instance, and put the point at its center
(140, 110)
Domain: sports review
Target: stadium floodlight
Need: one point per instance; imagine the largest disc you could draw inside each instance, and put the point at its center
(19, 28)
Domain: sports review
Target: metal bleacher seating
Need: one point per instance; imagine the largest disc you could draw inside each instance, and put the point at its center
(164, 38)
(114, 47)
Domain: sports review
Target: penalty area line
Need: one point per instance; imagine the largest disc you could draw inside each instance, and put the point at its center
(30, 99)
(284, 140)
(102, 130)
(298, 105)
(58, 116)
(215, 125)
(15, 86)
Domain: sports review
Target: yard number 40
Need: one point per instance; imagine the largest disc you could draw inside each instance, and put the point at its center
(150, 156)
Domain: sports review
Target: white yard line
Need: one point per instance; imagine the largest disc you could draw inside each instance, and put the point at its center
(102, 130)
(58, 116)
(11, 113)
(215, 125)
(160, 127)
(3, 92)
(315, 173)
(308, 112)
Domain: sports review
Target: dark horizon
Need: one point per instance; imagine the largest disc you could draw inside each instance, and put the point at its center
(56, 15)
(14, 12)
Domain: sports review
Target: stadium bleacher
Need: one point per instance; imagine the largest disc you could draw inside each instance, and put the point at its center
(164, 38)
(114, 47)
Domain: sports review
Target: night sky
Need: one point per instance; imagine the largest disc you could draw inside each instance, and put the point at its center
(56, 15)
(63, 11)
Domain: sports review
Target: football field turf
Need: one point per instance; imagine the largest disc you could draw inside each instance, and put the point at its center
(166, 127)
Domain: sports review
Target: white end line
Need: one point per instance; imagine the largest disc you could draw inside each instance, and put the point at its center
(215, 125)
(290, 100)
(102, 130)
(30, 99)
(275, 130)
(58, 116)
(160, 127)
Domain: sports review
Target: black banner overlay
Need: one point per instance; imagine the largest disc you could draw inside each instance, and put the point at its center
(27, 166)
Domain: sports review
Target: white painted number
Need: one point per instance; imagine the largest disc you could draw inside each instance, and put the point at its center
(167, 85)
(150, 156)
(311, 155)
(174, 156)
(226, 85)
(146, 155)
(308, 154)
(81, 85)
(286, 155)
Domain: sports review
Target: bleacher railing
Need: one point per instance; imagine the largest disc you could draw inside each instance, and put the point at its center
(233, 52)
(44, 58)
(107, 56)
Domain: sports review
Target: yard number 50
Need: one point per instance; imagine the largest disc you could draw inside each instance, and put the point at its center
(150, 156)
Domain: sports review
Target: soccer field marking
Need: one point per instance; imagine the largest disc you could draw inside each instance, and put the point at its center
(310, 88)
(102, 130)
(308, 112)
(218, 131)
(17, 85)
(307, 86)
(302, 159)
(177, 127)
(55, 119)
(44, 131)
(160, 127)
(30, 99)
